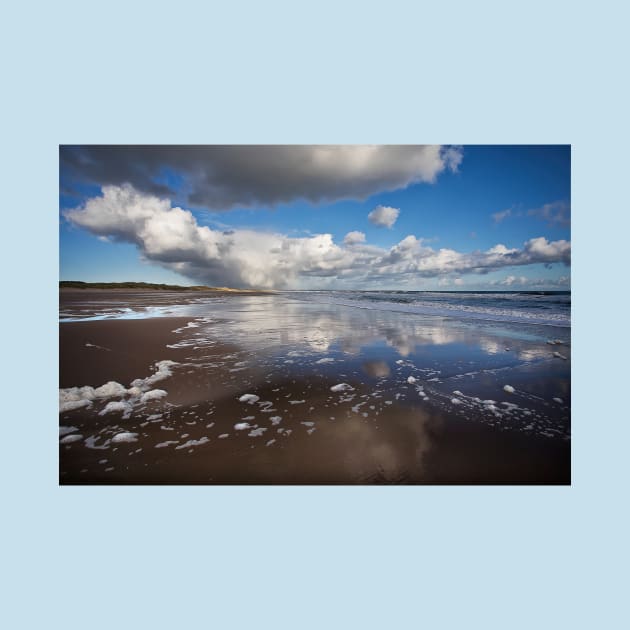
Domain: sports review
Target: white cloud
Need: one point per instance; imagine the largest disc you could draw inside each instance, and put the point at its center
(545, 251)
(171, 237)
(563, 282)
(352, 238)
(453, 157)
(510, 280)
(384, 216)
(501, 250)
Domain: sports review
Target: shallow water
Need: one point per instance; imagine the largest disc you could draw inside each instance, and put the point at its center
(551, 308)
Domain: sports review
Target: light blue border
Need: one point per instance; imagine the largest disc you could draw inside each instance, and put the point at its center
(246, 72)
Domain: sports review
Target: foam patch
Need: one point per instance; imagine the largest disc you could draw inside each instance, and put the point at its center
(342, 387)
(153, 394)
(199, 442)
(167, 443)
(111, 389)
(125, 436)
(75, 437)
(114, 406)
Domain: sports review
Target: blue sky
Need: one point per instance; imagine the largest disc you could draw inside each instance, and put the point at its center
(266, 209)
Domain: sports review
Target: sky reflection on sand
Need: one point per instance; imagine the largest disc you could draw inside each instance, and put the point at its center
(272, 323)
(426, 399)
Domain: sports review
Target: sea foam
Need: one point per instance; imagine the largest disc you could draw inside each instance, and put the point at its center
(112, 407)
(74, 437)
(125, 436)
(152, 394)
(342, 387)
(199, 442)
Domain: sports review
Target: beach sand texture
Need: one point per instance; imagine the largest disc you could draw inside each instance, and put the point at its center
(278, 389)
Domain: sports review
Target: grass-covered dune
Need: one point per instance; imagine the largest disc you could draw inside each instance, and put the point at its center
(77, 284)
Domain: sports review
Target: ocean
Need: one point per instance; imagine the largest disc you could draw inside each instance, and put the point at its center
(551, 308)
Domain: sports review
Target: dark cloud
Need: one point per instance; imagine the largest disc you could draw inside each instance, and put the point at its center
(222, 177)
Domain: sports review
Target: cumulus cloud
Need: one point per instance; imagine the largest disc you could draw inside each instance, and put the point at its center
(384, 216)
(501, 249)
(510, 280)
(223, 177)
(171, 237)
(544, 251)
(352, 238)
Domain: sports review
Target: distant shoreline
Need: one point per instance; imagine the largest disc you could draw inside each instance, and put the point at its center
(68, 286)
(74, 285)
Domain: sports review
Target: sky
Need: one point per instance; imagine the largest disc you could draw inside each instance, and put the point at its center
(409, 217)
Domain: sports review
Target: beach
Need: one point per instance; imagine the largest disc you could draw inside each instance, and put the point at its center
(313, 388)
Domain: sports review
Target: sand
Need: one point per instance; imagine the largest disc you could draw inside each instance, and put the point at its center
(232, 405)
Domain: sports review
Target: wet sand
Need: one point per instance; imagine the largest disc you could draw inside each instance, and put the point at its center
(381, 428)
